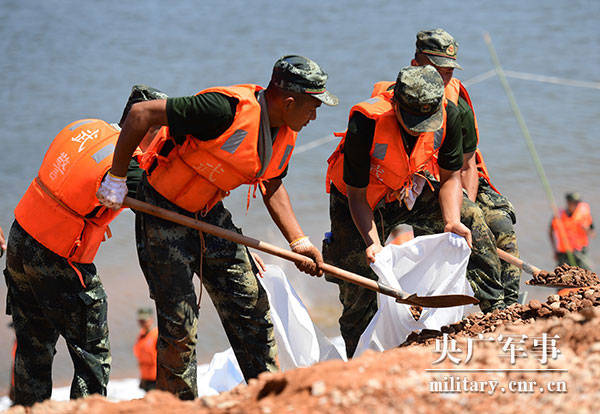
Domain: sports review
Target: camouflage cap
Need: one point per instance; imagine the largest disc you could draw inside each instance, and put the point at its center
(418, 93)
(144, 313)
(300, 74)
(439, 46)
(576, 197)
(140, 93)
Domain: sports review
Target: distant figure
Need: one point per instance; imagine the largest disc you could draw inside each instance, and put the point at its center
(401, 234)
(145, 349)
(578, 228)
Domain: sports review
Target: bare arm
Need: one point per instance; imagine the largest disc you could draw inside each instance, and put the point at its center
(469, 176)
(141, 117)
(2, 242)
(362, 215)
(278, 204)
(451, 198)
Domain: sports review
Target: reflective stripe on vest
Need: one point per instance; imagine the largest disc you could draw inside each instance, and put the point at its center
(392, 169)
(198, 174)
(55, 207)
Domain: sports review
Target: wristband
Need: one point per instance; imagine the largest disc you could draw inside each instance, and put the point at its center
(115, 176)
(300, 242)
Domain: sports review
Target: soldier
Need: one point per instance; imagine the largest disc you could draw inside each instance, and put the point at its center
(376, 181)
(577, 229)
(438, 48)
(144, 349)
(53, 286)
(210, 144)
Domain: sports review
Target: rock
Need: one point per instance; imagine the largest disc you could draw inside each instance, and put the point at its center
(374, 384)
(318, 388)
(588, 294)
(207, 402)
(595, 347)
(555, 305)
(230, 404)
(395, 369)
(553, 298)
(588, 313)
(586, 303)
(560, 312)
(542, 312)
(336, 397)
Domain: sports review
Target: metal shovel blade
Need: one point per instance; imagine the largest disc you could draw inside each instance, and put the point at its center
(552, 285)
(439, 301)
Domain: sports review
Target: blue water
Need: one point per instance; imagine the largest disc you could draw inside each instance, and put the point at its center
(66, 60)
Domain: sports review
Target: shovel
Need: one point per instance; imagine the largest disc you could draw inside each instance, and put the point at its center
(529, 268)
(440, 301)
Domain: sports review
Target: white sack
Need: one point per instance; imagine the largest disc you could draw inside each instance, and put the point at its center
(427, 265)
(299, 342)
(222, 374)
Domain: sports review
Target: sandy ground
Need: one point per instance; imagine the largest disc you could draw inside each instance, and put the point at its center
(400, 380)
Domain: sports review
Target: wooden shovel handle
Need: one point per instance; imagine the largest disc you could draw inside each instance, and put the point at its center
(439, 301)
(258, 245)
(521, 264)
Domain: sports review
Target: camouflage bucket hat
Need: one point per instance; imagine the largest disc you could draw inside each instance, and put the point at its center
(439, 46)
(300, 74)
(140, 93)
(418, 94)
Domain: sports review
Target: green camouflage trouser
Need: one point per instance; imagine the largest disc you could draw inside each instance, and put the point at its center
(500, 217)
(46, 299)
(346, 249)
(581, 259)
(169, 255)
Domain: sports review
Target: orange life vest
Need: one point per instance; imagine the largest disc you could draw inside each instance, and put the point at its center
(381, 87)
(57, 208)
(145, 352)
(392, 170)
(452, 91)
(575, 226)
(198, 174)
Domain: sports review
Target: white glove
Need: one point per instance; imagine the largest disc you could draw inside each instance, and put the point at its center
(112, 191)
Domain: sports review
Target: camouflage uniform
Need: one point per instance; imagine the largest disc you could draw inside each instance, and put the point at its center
(346, 249)
(169, 255)
(46, 299)
(500, 217)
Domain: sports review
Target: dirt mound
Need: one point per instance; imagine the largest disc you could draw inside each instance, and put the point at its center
(406, 380)
(517, 314)
(565, 276)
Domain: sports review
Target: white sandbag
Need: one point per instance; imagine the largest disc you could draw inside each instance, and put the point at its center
(300, 343)
(426, 265)
(222, 374)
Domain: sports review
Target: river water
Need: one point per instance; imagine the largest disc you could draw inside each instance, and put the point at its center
(66, 60)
